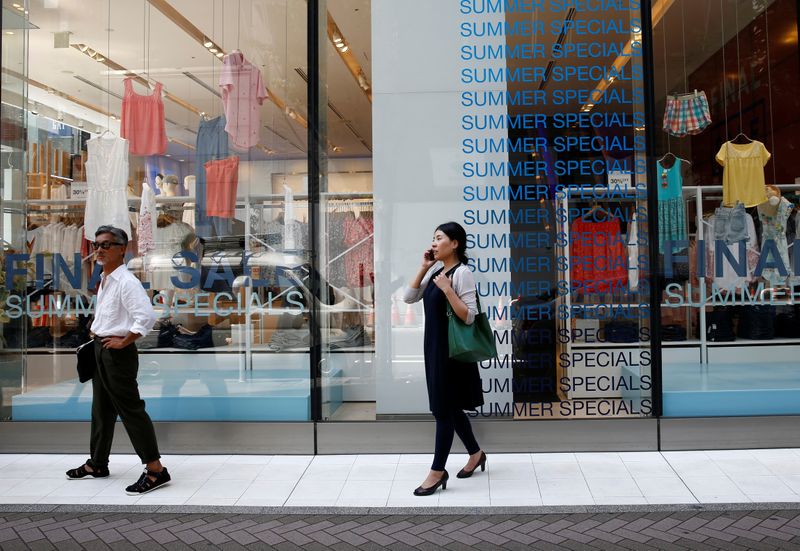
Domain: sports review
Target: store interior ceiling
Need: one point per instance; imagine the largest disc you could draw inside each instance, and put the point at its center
(272, 35)
(146, 41)
(703, 26)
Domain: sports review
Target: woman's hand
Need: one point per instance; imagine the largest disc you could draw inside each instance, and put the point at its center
(442, 282)
(427, 259)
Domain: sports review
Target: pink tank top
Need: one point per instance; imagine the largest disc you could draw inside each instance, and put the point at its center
(143, 121)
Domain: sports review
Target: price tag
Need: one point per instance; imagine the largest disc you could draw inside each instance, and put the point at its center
(78, 190)
(620, 180)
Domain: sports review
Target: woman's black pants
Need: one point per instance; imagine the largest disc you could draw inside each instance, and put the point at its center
(447, 424)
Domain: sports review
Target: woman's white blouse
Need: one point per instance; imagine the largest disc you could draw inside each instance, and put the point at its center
(463, 284)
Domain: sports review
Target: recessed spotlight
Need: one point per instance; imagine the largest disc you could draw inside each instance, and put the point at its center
(99, 58)
(16, 5)
(208, 43)
(219, 54)
(346, 47)
(83, 47)
(9, 32)
(213, 50)
(168, 155)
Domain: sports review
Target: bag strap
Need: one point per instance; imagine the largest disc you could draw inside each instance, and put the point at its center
(477, 299)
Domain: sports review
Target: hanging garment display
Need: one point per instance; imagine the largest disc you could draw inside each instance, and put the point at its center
(671, 210)
(212, 144)
(773, 228)
(189, 185)
(358, 234)
(728, 228)
(107, 183)
(222, 179)
(142, 122)
(633, 253)
(147, 211)
(743, 176)
(164, 260)
(243, 92)
(598, 262)
(686, 114)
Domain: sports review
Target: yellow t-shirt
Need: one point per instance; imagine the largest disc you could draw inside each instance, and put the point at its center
(743, 177)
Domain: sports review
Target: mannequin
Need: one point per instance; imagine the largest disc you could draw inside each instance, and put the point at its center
(188, 184)
(188, 208)
(773, 214)
(168, 186)
(774, 199)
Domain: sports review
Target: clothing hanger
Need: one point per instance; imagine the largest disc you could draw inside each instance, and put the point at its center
(671, 154)
(742, 135)
(595, 209)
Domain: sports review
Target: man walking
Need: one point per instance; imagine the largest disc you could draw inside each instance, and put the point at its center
(123, 313)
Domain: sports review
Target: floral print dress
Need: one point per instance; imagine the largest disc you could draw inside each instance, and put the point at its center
(773, 227)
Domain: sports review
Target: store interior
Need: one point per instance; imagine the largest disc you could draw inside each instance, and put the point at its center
(205, 199)
(730, 352)
(229, 348)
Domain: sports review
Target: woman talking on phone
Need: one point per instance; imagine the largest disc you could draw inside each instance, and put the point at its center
(453, 386)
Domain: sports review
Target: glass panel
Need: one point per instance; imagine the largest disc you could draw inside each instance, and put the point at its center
(523, 122)
(12, 190)
(730, 303)
(222, 248)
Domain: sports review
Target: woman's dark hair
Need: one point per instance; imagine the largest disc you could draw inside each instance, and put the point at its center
(456, 232)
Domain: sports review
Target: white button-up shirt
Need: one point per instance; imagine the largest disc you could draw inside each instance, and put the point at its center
(122, 306)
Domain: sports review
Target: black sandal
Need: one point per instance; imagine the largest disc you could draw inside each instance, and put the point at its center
(144, 484)
(81, 472)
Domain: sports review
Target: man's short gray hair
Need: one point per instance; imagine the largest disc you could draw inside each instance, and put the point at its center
(120, 236)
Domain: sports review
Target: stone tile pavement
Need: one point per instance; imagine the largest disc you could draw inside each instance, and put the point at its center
(68, 527)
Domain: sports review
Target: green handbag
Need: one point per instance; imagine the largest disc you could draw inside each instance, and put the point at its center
(470, 343)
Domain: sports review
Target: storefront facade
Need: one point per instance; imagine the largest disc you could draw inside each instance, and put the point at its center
(623, 169)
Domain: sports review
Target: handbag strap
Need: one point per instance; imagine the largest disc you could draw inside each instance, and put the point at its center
(477, 299)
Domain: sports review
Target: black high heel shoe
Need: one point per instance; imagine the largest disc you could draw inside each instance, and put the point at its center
(463, 473)
(429, 491)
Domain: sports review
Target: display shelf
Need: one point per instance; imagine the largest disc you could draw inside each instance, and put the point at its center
(752, 342)
(231, 349)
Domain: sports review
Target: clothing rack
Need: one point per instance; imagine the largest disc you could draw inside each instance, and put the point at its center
(698, 193)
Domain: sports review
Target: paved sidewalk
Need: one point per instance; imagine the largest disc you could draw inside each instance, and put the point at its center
(377, 481)
(728, 530)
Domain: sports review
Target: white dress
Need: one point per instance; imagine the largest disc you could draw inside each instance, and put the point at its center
(107, 179)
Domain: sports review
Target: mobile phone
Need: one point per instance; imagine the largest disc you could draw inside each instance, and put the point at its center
(429, 254)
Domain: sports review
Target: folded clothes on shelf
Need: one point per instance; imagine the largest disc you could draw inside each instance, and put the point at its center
(673, 333)
(193, 340)
(756, 322)
(620, 332)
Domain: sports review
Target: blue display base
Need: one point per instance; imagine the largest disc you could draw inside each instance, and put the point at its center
(188, 395)
(731, 389)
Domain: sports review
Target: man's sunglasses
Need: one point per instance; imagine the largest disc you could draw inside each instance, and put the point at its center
(105, 244)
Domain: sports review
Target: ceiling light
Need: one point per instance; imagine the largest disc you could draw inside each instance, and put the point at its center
(213, 50)
(168, 155)
(20, 8)
(83, 47)
(16, 5)
(345, 48)
(208, 43)
(80, 123)
(99, 58)
(219, 54)
(337, 148)
(9, 32)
